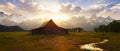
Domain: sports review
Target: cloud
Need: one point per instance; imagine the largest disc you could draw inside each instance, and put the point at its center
(22, 1)
(10, 5)
(104, 10)
(32, 8)
(11, 20)
(31, 24)
(27, 24)
(112, 10)
(71, 9)
(36, 11)
(21, 21)
(117, 6)
(5, 20)
(28, 9)
(113, 14)
(87, 23)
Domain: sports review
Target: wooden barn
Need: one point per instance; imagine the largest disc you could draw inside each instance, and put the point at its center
(49, 28)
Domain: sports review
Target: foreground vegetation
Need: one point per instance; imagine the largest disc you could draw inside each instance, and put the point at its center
(22, 41)
(113, 26)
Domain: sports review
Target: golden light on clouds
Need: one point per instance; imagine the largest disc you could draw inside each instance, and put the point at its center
(59, 17)
(56, 17)
(52, 12)
(52, 8)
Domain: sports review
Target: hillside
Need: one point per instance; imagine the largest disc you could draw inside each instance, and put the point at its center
(10, 28)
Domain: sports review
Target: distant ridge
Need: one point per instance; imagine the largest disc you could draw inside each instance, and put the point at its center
(10, 29)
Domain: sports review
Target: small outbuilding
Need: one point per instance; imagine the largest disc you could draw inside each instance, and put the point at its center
(49, 28)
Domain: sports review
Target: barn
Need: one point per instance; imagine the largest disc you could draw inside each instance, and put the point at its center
(49, 28)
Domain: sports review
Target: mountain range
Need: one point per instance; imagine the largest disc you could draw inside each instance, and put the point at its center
(76, 21)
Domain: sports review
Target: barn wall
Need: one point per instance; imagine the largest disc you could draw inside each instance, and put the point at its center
(50, 31)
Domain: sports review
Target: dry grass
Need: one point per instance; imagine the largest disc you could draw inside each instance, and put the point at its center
(21, 41)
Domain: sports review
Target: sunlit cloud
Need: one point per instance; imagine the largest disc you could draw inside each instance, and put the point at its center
(22, 1)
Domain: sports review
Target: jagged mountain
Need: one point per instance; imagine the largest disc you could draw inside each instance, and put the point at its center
(17, 18)
(11, 20)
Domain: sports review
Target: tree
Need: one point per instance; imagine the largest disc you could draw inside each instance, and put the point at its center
(114, 26)
(95, 29)
(101, 28)
(78, 29)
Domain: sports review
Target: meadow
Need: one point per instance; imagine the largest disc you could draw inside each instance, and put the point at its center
(23, 41)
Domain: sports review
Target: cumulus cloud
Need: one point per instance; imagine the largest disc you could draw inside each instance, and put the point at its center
(117, 6)
(112, 10)
(104, 10)
(71, 9)
(22, 1)
(26, 8)
(10, 5)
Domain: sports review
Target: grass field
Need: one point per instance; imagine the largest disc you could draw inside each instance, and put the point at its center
(22, 41)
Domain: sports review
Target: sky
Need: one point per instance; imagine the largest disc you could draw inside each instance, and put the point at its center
(65, 13)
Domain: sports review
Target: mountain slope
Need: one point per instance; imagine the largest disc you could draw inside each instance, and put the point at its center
(10, 29)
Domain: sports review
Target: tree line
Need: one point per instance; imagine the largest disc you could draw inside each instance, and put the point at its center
(113, 26)
(78, 29)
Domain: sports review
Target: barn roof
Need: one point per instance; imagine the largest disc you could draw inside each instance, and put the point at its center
(49, 28)
(44, 23)
(49, 23)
